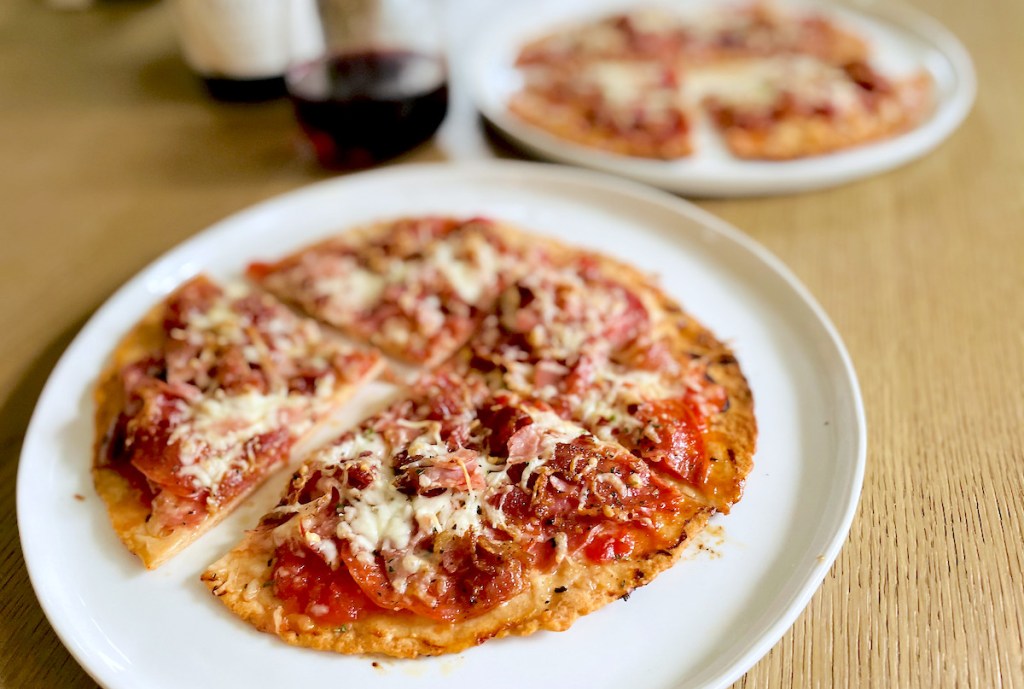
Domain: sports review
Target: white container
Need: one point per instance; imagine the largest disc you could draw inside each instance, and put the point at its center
(242, 47)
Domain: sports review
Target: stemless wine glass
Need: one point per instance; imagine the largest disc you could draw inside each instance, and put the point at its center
(381, 87)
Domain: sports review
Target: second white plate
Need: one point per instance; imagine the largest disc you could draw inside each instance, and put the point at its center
(701, 624)
(903, 39)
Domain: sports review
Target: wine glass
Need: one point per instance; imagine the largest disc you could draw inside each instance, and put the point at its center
(381, 86)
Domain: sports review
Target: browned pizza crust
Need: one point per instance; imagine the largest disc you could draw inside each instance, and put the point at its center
(732, 437)
(571, 124)
(126, 506)
(799, 136)
(551, 601)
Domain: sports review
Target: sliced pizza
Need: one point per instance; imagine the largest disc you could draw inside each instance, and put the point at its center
(660, 34)
(203, 399)
(453, 518)
(648, 34)
(562, 458)
(607, 349)
(779, 83)
(413, 287)
(796, 106)
(629, 107)
(764, 29)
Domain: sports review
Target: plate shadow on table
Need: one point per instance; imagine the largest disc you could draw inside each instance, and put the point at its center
(25, 634)
(506, 147)
(501, 145)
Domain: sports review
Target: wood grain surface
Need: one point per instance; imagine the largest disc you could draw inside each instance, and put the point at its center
(111, 154)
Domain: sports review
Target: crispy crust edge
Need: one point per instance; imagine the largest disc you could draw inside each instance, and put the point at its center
(239, 580)
(566, 123)
(813, 135)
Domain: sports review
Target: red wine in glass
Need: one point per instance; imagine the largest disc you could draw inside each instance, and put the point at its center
(365, 107)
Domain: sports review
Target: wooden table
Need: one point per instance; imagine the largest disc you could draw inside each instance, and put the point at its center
(111, 155)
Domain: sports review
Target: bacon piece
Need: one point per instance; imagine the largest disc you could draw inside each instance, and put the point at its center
(524, 444)
(548, 372)
(459, 470)
(503, 421)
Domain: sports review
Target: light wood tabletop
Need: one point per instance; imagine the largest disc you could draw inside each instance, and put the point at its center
(111, 154)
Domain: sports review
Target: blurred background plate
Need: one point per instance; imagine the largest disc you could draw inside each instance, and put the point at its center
(902, 39)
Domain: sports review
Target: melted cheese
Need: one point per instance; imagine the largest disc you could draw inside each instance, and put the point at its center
(351, 286)
(379, 519)
(621, 84)
(472, 276)
(760, 83)
(214, 432)
(219, 320)
(603, 407)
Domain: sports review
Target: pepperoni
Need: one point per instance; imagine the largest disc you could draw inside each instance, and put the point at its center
(473, 576)
(233, 374)
(269, 451)
(194, 296)
(604, 518)
(308, 585)
(671, 438)
(259, 270)
(149, 448)
(609, 544)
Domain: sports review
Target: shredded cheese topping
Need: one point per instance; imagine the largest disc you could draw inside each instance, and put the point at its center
(380, 519)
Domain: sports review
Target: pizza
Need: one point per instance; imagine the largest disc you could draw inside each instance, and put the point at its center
(776, 84)
(722, 33)
(793, 107)
(568, 431)
(598, 341)
(563, 455)
(630, 107)
(414, 287)
(203, 399)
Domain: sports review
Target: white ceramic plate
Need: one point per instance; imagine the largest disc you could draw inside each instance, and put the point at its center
(701, 624)
(904, 39)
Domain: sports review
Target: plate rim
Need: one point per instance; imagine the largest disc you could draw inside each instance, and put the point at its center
(743, 178)
(804, 590)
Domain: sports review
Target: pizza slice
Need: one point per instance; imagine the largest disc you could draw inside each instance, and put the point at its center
(738, 31)
(457, 516)
(203, 399)
(762, 29)
(790, 107)
(629, 107)
(648, 34)
(414, 287)
(602, 345)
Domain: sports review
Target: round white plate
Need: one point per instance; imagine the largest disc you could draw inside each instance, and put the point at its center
(701, 624)
(904, 41)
